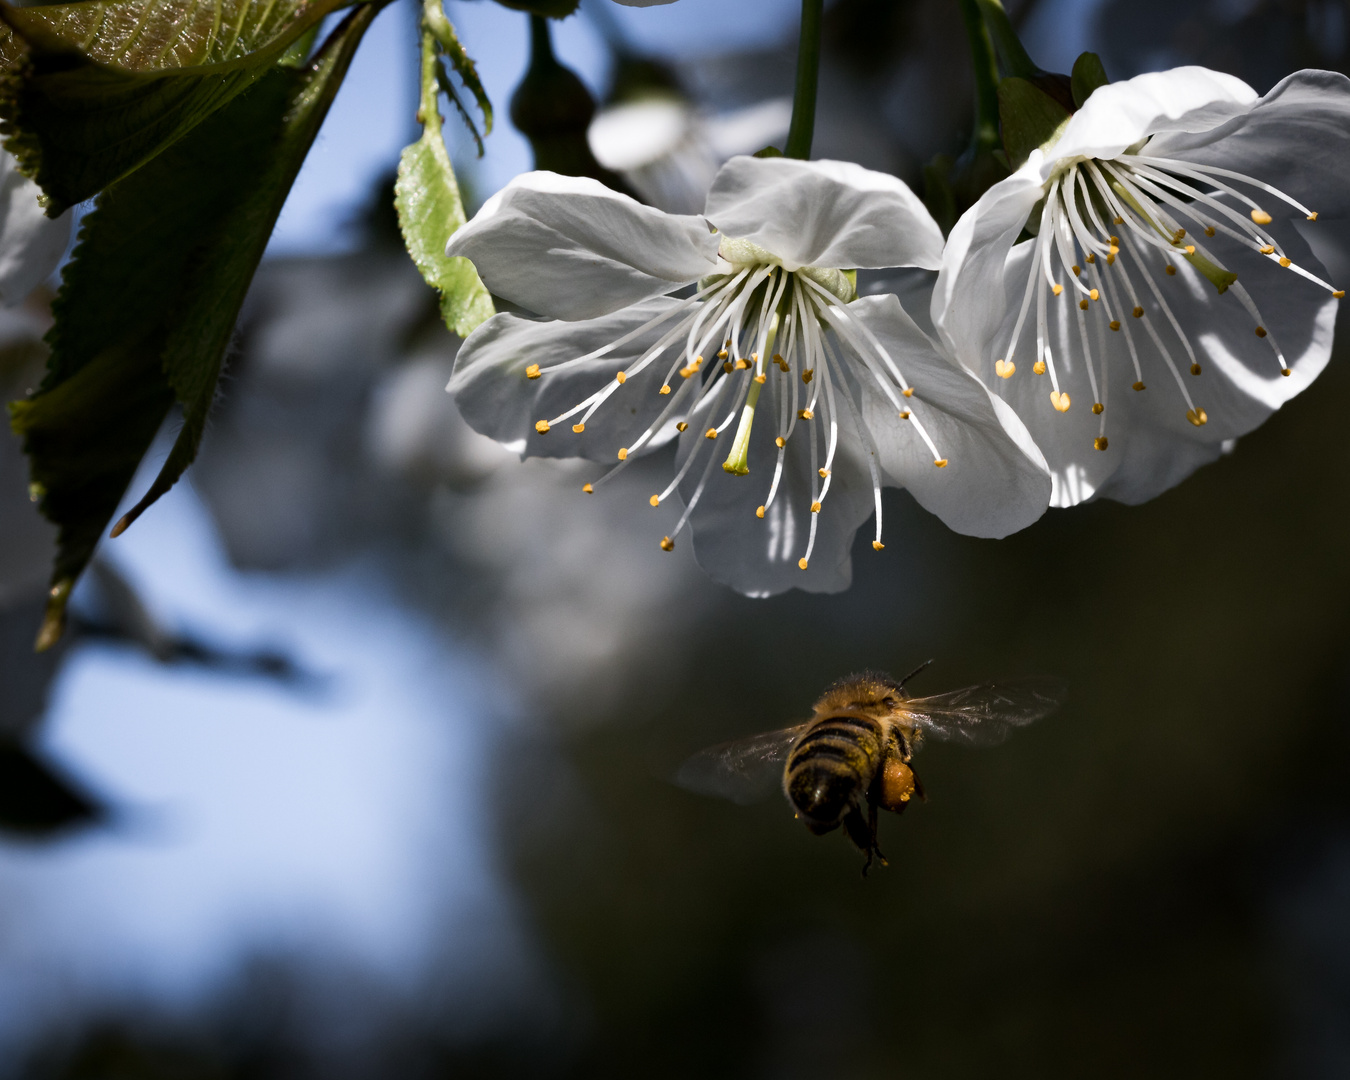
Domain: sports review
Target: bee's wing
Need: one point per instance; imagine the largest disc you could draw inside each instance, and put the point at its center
(745, 770)
(985, 714)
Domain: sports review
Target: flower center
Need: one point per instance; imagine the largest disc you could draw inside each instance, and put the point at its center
(1155, 211)
(765, 321)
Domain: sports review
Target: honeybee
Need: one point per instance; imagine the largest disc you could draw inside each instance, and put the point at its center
(853, 756)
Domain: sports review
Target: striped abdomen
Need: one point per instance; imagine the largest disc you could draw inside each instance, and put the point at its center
(831, 767)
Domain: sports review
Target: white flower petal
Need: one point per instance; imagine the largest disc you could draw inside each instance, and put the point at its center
(1119, 115)
(968, 299)
(31, 244)
(824, 213)
(495, 397)
(1295, 138)
(759, 556)
(571, 248)
(995, 481)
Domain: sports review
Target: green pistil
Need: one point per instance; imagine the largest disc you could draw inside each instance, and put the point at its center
(1217, 275)
(738, 461)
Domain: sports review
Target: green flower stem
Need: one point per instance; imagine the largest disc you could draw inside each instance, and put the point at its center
(985, 136)
(428, 109)
(1015, 59)
(803, 125)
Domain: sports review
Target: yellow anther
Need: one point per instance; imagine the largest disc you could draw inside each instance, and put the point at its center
(761, 379)
(681, 426)
(578, 428)
(726, 367)
(904, 415)
(698, 363)
(1099, 442)
(1138, 386)
(1269, 249)
(1059, 400)
(877, 545)
(1284, 262)
(1097, 408)
(1117, 220)
(759, 513)
(541, 427)
(1111, 256)
(1312, 216)
(755, 357)
(801, 564)
(621, 376)
(588, 489)
(823, 473)
(1169, 269)
(1038, 367)
(1197, 417)
(778, 358)
(1083, 304)
(723, 354)
(1091, 257)
(941, 462)
(805, 414)
(808, 375)
(1285, 372)
(742, 364)
(1004, 369)
(623, 453)
(1261, 217)
(532, 372)
(1138, 312)
(665, 389)
(1209, 230)
(1093, 294)
(1339, 294)
(1260, 331)
(1190, 249)
(711, 433)
(1114, 324)
(1076, 269)
(908, 391)
(655, 500)
(780, 442)
(667, 544)
(1195, 369)
(685, 372)
(815, 508)
(1056, 288)
(1179, 236)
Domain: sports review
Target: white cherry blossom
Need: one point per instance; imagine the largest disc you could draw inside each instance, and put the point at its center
(824, 397)
(1165, 302)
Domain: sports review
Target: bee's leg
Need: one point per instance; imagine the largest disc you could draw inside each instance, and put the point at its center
(863, 833)
(918, 787)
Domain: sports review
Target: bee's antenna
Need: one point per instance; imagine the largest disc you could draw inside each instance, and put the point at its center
(915, 672)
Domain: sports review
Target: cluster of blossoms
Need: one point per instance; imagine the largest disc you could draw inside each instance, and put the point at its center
(1151, 248)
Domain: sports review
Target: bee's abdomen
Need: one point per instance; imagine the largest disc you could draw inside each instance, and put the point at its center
(831, 767)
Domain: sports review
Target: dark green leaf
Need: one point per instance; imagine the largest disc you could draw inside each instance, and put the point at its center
(1088, 74)
(150, 299)
(92, 91)
(1028, 117)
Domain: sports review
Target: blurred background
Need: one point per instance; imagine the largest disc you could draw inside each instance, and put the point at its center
(355, 763)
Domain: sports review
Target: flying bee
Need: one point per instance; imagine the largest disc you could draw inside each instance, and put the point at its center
(854, 755)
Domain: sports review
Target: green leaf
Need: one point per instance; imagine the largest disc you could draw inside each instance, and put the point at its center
(91, 91)
(149, 301)
(426, 195)
(1028, 117)
(1088, 74)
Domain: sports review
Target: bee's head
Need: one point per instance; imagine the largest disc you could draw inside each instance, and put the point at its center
(821, 797)
(868, 693)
